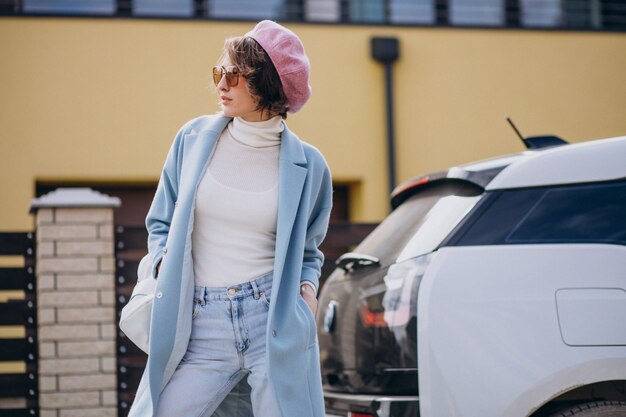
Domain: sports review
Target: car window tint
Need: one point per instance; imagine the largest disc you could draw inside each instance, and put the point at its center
(431, 210)
(435, 225)
(592, 213)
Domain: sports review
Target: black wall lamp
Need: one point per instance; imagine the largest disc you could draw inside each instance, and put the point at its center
(386, 51)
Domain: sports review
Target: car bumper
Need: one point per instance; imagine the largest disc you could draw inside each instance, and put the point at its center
(347, 405)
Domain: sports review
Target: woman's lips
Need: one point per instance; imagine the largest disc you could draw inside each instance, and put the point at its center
(225, 99)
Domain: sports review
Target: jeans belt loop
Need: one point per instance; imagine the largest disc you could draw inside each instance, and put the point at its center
(255, 289)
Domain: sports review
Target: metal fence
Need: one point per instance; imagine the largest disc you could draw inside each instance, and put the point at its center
(130, 247)
(19, 390)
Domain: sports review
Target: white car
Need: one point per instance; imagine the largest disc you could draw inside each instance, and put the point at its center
(493, 289)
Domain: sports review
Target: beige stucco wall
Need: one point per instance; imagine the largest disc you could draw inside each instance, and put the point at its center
(101, 99)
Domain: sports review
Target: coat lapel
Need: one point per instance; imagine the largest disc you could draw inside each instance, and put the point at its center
(292, 173)
(198, 151)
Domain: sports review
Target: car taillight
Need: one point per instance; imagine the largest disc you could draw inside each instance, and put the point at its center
(395, 314)
(351, 414)
(372, 318)
(390, 305)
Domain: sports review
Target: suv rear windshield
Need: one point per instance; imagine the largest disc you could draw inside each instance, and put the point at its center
(421, 223)
(579, 213)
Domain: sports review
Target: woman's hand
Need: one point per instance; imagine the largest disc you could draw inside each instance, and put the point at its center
(309, 296)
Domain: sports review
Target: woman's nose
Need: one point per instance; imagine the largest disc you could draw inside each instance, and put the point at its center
(223, 85)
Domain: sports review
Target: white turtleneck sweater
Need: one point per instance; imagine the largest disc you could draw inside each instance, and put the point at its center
(234, 233)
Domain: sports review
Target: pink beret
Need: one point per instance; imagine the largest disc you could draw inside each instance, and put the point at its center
(287, 54)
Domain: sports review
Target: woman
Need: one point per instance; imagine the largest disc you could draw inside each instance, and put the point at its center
(240, 210)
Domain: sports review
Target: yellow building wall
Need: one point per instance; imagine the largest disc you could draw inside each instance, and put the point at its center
(101, 99)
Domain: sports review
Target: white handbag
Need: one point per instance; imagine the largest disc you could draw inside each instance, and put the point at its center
(135, 317)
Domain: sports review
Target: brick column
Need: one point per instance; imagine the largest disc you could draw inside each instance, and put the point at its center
(76, 303)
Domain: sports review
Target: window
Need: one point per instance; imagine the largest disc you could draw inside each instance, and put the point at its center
(369, 11)
(412, 11)
(419, 224)
(568, 214)
(540, 13)
(179, 8)
(322, 11)
(70, 6)
(247, 9)
(594, 213)
(477, 12)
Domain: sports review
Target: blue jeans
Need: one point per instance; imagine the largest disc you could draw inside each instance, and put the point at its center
(227, 343)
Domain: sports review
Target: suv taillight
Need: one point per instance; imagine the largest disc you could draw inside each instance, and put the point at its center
(388, 314)
(394, 303)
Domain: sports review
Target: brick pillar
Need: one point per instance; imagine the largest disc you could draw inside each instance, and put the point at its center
(76, 303)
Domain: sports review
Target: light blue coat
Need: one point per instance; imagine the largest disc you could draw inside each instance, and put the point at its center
(304, 204)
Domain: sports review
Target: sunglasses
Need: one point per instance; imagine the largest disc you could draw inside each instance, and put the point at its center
(231, 72)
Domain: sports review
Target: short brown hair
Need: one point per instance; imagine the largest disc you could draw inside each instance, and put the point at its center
(259, 72)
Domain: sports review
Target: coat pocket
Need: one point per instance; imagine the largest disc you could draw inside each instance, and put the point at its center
(310, 319)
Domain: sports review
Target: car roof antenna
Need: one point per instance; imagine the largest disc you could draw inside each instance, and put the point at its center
(519, 135)
(537, 142)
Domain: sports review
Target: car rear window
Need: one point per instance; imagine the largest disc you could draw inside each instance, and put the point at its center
(589, 213)
(421, 223)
